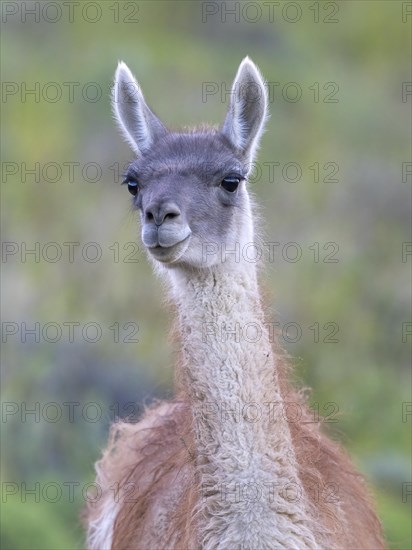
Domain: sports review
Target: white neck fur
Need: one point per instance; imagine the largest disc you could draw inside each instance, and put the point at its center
(251, 494)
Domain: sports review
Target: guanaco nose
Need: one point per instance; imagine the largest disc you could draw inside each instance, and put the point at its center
(159, 213)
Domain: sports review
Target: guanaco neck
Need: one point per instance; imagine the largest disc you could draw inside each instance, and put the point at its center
(244, 454)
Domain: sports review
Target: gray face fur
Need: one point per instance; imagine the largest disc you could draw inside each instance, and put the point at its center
(191, 186)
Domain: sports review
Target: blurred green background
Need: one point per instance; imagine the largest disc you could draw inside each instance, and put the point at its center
(335, 71)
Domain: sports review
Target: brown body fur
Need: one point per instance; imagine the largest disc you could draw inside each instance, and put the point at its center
(153, 464)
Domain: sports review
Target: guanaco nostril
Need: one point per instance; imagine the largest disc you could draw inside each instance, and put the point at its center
(149, 216)
(171, 215)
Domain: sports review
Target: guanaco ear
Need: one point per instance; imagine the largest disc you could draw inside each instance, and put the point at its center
(247, 111)
(138, 124)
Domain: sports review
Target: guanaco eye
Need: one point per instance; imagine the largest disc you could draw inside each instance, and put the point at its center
(230, 183)
(132, 185)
